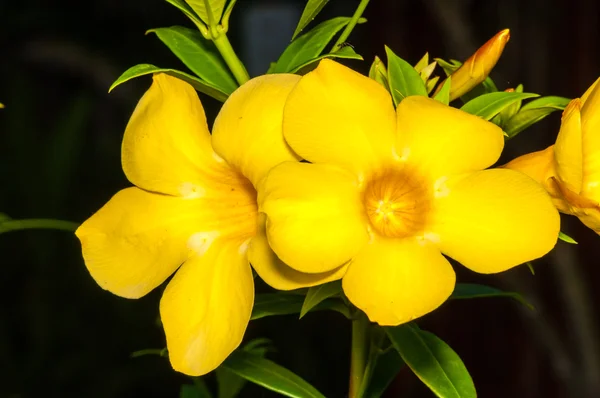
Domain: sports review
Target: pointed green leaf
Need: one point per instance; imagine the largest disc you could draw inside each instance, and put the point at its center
(551, 101)
(566, 238)
(472, 290)
(404, 80)
(312, 9)
(147, 69)
(387, 366)
(448, 66)
(489, 105)
(230, 384)
(423, 62)
(344, 53)
(431, 84)
(444, 94)
(310, 45)
(271, 304)
(432, 361)
(208, 10)
(318, 294)
(227, 14)
(378, 72)
(524, 119)
(270, 375)
(198, 54)
(187, 10)
(195, 391)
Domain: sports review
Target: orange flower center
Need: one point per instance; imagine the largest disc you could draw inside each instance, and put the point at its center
(397, 203)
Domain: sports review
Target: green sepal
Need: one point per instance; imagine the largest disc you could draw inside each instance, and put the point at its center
(269, 375)
(443, 95)
(432, 361)
(285, 303)
(308, 47)
(566, 238)
(147, 69)
(473, 290)
(311, 10)
(403, 79)
(318, 294)
(199, 55)
(489, 105)
(209, 11)
(378, 72)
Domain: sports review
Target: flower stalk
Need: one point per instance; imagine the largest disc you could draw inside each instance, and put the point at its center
(359, 353)
(231, 59)
(357, 14)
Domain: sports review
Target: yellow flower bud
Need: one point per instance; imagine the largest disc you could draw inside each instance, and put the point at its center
(570, 169)
(479, 65)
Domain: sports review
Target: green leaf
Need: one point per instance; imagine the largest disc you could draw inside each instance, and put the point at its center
(388, 364)
(472, 290)
(318, 294)
(270, 375)
(489, 105)
(423, 62)
(271, 304)
(448, 66)
(208, 10)
(566, 238)
(432, 361)
(530, 266)
(533, 112)
(198, 54)
(310, 45)
(551, 101)
(404, 80)
(378, 72)
(10, 225)
(344, 52)
(312, 9)
(186, 9)
(227, 14)
(230, 384)
(444, 94)
(147, 69)
(194, 391)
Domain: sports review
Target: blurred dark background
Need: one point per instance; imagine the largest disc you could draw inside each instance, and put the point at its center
(63, 336)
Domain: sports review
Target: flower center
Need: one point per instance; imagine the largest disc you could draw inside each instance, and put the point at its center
(397, 203)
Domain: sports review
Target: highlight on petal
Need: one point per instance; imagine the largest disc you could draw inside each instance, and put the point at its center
(166, 147)
(336, 115)
(206, 307)
(397, 280)
(493, 220)
(315, 217)
(568, 150)
(537, 165)
(275, 272)
(248, 131)
(590, 126)
(133, 243)
(444, 141)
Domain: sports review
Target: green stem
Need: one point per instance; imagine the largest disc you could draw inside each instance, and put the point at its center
(359, 353)
(357, 14)
(231, 59)
(37, 223)
(377, 339)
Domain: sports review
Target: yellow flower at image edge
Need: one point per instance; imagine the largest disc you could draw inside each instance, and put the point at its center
(389, 192)
(570, 169)
(194, 206)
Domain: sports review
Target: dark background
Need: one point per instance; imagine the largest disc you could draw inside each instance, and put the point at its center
(63, 336)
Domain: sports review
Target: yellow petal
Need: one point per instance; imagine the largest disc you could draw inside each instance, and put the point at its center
(166, 147)
(493, 220)
(206, 307)
(248, 130)
(568, 148)
(442, 141)
(133, 243)
(587, 210)
(275, 272)
(396, 281)
(537, 165)
(590, 126)
(336, 115)
(315, 218)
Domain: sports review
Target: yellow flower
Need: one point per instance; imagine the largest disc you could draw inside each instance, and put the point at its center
(194, 206)
(388, 192)
(570, 169)
(478, 66)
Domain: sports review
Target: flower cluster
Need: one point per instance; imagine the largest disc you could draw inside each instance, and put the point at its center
(308, 180)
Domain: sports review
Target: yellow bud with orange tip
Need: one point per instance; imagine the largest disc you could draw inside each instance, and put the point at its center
(479, 65)
(570, 169)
